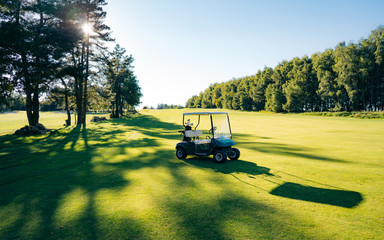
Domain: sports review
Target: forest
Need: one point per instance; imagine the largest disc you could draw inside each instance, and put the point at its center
(349, 77)
(60, 54)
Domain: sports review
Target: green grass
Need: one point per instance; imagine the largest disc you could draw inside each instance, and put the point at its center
(11, 121)
(298, 177)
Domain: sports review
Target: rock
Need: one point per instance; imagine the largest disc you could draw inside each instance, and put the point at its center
(98, 119)
(40, 126)
(38, 129)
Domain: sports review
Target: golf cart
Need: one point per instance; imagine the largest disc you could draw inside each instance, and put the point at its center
(214, 137)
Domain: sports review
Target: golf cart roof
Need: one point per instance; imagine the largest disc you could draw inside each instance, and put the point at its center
(203, 113)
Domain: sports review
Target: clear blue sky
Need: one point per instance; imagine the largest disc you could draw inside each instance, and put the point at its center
(181, 47)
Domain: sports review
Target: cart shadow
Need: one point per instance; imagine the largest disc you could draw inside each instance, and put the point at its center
(231, 166)
(334, 197)
(340, 198)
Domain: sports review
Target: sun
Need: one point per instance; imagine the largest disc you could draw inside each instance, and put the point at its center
(87, 28)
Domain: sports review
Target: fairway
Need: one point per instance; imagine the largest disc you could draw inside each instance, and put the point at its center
(298, 177)
(11, 121)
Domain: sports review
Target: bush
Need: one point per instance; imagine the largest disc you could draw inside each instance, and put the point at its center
(366, 115)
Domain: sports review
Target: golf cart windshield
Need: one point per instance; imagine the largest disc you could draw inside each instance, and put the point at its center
(221, 126)
(215, 124)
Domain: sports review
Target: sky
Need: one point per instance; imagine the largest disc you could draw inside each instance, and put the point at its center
(180, 47)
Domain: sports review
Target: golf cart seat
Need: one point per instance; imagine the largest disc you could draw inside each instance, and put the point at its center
(204, 141)
(193, 133)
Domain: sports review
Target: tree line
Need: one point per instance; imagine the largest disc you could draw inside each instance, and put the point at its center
(349, 77)
(56, 50)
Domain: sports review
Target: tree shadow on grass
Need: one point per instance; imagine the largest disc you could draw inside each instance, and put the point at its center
(152, 126)
(230, 216)
(286, 150)
(45, 176)
(37, 173)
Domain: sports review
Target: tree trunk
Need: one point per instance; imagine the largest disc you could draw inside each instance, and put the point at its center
(66, 92)
(32, 106)
(17, 13)
(85, 97)
(79, 108)
(33, 101)
(68, 122)
(117, 97)
(117, 106)
(28, 106)
(36, 106)
(79, 95)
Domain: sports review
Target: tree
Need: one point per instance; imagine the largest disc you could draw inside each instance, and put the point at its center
(300, 89)
(328, 87)
(14, 102)
(206, 101)
(6, 89)
(228, 92)
(198, 99)
(90, 19)
(34, 39)
(131, 91)
(347, 63)
(216, 96)
(61, 94)
(122, 84)
(97, 98)
(236, 101)
(191, 102)
(258, 89)
(245, 102)
(374, 47)
(274, 99)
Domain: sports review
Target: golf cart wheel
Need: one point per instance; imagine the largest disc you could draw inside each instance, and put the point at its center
(220, 156)
(234, 154)
(181, 153)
